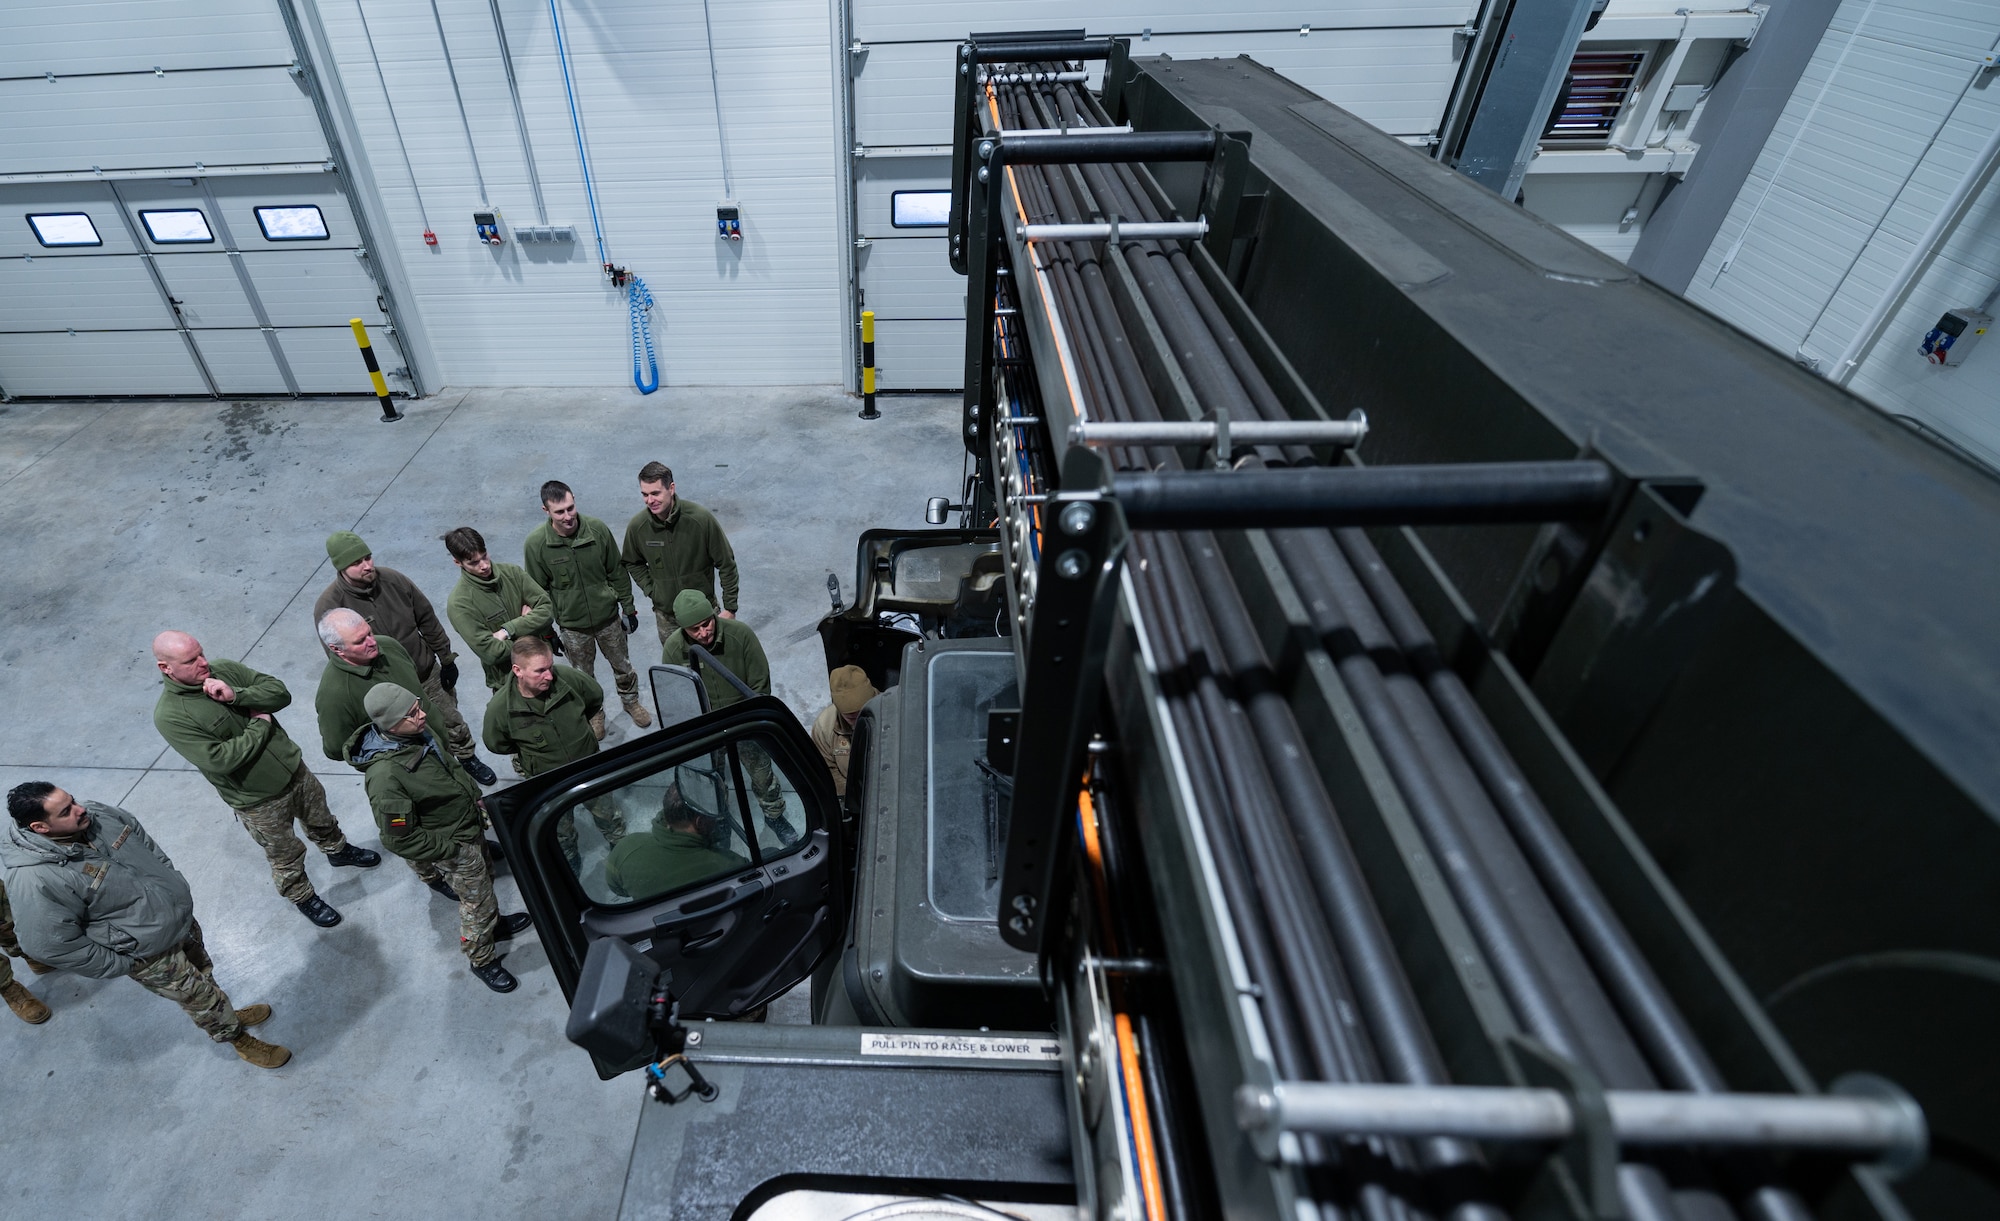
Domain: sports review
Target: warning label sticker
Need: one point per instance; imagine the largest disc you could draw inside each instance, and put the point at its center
(962, 1046)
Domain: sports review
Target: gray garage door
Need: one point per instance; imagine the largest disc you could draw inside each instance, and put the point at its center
(171, 218)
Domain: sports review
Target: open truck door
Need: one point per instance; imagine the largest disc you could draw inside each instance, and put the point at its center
(708, 846)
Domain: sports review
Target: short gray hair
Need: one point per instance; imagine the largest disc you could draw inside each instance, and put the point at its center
(331, 623)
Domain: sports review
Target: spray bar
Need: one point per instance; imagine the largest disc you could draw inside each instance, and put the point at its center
(1205, 432)
(1885, 1125)
(1131, 230)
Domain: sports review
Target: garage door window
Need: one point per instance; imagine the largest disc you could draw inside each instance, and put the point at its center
(920, 209)
(292, 223)
(64, 229)
(176, 227)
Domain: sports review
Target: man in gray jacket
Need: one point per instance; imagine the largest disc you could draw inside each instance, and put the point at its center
(92, 893)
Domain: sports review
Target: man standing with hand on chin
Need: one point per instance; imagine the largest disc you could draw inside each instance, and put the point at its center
(218, 716)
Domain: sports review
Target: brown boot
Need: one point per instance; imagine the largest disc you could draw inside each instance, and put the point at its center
(637, 711)
(258, 1052)
(597, 724)
(254, 1015)
(24, 1003)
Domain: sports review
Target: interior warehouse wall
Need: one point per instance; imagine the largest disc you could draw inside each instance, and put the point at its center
(765, 311)
(1887, 117)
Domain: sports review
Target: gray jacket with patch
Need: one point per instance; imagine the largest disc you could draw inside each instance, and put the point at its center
(99, 905)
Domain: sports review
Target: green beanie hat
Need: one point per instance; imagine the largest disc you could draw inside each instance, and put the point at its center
(387, 703)
(345, 549)
(691, 606)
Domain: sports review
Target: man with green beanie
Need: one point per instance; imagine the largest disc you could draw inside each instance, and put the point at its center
(545, 716)
(427, 809)
(673, 545)
(574, 557)
(218, 716)
(493, 605)
(358, 659)
(732, 644)
(833, 728)
(394, 607)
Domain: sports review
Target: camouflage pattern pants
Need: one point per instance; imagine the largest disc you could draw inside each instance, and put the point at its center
(270, 824)
(466, 872)
(763, 780)
(8, 944)
(664, 620)
(452, 729)
(185, 976)
(582, 648)
(610, 824)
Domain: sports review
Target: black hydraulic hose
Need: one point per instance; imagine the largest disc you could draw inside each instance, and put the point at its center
(1676, 1052)
(1462, 492)
(1003, 52)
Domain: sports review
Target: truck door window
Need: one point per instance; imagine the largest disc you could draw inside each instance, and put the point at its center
(682, 826)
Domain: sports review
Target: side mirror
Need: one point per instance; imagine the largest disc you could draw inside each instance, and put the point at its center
(609, 1017)
(936, 508)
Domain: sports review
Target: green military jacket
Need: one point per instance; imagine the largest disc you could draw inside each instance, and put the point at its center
(547, 732)
(686, 551)
(663, 860)
(97, 905)
(343, 685)
(736, 647)
(247, 760)
(479, 608)
(425, 804)
(583, 573)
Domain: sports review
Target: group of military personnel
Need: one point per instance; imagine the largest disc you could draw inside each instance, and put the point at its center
(92, 893)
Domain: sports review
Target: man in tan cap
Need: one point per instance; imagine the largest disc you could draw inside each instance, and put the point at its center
(833, 729)
(394, 607)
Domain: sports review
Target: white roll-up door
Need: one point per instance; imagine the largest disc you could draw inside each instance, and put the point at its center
(1393, 65)
(172, 220)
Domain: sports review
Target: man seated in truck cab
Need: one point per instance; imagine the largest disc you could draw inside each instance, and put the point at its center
(676, 851)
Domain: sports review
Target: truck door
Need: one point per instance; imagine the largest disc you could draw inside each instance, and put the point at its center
(708, 846)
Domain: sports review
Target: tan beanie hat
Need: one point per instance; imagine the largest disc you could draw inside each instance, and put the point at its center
(851, 689)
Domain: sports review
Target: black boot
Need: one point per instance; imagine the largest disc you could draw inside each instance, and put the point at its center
(318, 910)
(507, 926)
(496, 977)
(477, 769)
(444, 888)
(360, 858)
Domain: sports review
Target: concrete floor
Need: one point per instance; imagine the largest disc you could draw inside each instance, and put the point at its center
(413, 1091)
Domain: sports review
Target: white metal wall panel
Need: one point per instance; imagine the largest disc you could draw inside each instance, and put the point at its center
(240, 117)
(112, 293)
(919, 354)
(930, 20)
(541, 316)
(313, 287)
(90, 198)
(326, 361)
(899, 279)
(1885, 119)
(95, 36)
(241, 362)
(98, 362)
(209, 292)
(877, 179)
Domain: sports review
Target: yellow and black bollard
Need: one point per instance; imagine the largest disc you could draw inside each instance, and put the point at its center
(868, 411)
(389, 413)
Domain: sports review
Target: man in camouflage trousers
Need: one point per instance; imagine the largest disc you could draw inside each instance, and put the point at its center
(546, 716)
(427, 809)
(576, 560)
(92, 893)
(673, 545)
(218, 716)
(394, 607)
(25, 1004)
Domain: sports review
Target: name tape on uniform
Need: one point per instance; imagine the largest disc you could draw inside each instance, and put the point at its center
(961, 1046)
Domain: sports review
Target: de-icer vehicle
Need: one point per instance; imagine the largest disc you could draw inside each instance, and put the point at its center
(1358, 757)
